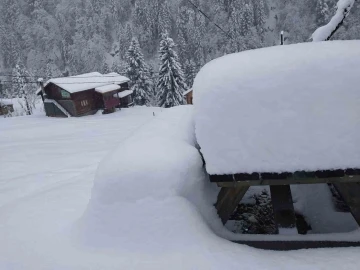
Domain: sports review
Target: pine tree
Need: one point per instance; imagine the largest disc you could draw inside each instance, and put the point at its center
(138, 73)
(2, 90)
(164, 18)
(48, 71)
(118, 67)
(105, 68)
(189, 72)
(171, 84)
(236, 43)
(125, 36)
(21, 87)
(260, 17)
(182, 47)
(322, 12)
(247, 19)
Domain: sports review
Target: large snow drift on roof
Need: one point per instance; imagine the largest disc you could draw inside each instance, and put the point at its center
(87, 81)
(284, 108)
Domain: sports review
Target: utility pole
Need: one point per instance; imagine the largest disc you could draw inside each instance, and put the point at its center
(282, 38)
(1, 88)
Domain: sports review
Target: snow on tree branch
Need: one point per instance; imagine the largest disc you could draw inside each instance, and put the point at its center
(327, 31)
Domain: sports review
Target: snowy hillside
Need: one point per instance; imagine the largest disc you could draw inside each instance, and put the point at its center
(53, 38)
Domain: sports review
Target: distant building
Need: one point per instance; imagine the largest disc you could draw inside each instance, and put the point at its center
(189, 96)
(85, 94)
(6, 107)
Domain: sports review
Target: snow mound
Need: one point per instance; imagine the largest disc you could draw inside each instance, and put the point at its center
(144, 190)
(280, 109)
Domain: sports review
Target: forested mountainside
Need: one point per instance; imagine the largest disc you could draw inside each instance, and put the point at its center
(63, 37)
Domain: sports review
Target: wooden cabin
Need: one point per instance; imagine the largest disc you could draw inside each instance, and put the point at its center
(189, 96)
(85, 94)
(6, 107)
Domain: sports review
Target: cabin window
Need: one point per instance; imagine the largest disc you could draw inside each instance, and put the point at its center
(84, 103)
(65, 94)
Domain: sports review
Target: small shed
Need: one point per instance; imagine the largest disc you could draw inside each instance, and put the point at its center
(84, 94)
(6, 107)
(281, 116)
(189, 96)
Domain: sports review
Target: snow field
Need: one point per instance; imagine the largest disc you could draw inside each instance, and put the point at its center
(137, 214)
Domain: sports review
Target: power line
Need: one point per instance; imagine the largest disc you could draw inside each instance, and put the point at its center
(208, 17)
(11, 82)
(76, 77)
(67, 78)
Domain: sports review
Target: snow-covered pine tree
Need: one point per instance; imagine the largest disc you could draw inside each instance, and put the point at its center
(48, 71)
(2, 90)
(171, 83)
(20, 87)
(235, 21)
(51, 70)
(247, 19)
(260, 17)
(182, 47)
(322, 12)
(105, 68)
(189, 72)
(138, 73)
(118, 67)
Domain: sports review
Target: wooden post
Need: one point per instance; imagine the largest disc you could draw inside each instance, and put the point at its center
(350, 192)
(228, 200)
(282, 38)
(283, 207)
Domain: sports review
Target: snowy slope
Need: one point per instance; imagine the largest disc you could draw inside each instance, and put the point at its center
(280, 109)
(47, 180)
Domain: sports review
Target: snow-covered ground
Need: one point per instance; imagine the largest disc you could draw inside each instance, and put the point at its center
(156, 214)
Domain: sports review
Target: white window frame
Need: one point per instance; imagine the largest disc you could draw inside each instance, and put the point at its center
(84, 103)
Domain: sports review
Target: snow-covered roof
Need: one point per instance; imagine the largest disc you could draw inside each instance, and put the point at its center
(280, 109)
(107, 88)
(87, 81)
(5, 102)
(187, 92)
(125, 93)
